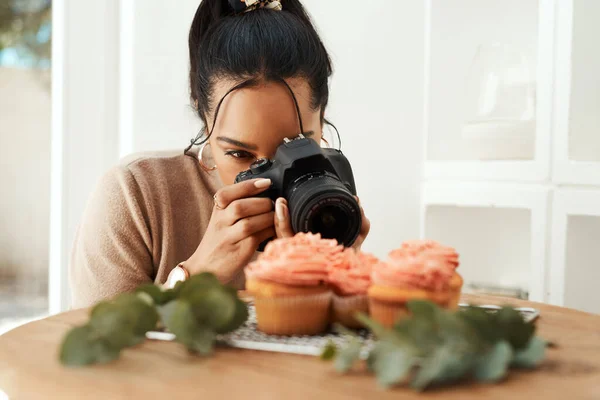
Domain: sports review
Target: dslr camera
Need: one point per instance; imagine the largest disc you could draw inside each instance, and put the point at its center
(318, 185)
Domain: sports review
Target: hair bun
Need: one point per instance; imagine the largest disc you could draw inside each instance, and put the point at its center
(241, 6)
(238, 6)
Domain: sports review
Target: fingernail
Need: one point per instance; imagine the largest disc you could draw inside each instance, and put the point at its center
(262, 183)
(280, 210)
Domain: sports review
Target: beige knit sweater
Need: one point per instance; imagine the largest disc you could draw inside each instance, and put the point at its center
(146, 215)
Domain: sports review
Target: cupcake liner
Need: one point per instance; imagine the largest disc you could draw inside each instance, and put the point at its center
(293, 315)
(455, 292)
(386, 313)
(346, 307)
(454, 298)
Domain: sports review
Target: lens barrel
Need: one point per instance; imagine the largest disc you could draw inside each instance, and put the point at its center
(321, 203)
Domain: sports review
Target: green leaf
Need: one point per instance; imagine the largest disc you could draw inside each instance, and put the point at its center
(76, 348)
(378, 330)
(514, 328)
(431, 327)
(493, 365)
(104, 352)
(421, 332)
(391, 364)
(146, 298)
(435, 346)
(239, 318)
(213, 308)
(444, 365)
(422, 309)
(111, 322)
(181, 321)
(348, 355)
(430, 368)
(197, 283)
(165, 311)
(483, 323)
(156, 293)
(203, 342)
(143, 316)
(329, 351)
(79, 348)
(176, 290)
(532, 355)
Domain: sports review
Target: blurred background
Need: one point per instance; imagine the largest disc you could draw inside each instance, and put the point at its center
(472, 122)
(25, 130)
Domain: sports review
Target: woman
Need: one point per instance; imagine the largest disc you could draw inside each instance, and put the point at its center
(162, 217)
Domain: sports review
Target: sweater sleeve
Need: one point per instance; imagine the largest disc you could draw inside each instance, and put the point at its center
(112, 251)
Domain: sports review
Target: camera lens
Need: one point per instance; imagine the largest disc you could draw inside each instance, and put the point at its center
(323, 204)
(330, 220)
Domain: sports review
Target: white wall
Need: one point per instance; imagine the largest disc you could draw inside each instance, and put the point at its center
(376, 103)
(376, 96)
(155, 75)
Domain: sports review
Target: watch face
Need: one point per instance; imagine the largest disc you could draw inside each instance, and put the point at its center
(178, 274)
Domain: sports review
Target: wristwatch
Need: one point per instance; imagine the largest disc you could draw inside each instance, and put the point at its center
(178, 274)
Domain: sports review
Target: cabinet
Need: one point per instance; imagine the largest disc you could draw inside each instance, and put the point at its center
(524, 218)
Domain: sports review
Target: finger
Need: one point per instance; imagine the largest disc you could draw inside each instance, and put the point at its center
(366, 223)
(255, 240)
(365, 227)
(243, 208)
(228, 194)
(247, 227)
(283, 223)
(263, 235)
(362, 236)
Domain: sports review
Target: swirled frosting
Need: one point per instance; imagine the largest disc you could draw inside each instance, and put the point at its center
(350, 272)
(301, 260)
(430, 248)
(414, 270)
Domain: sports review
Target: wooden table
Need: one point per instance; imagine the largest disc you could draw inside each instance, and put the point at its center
(29, 368)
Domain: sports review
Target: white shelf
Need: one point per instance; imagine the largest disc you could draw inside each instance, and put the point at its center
(449, 49)
(577, 97)
(574, 265)
(517, 171)
(510, 216)
(582, 268)
(500, 228)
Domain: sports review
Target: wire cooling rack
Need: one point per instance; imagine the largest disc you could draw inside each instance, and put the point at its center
(249, 337)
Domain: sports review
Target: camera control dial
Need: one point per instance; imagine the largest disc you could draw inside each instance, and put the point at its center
(261, 165)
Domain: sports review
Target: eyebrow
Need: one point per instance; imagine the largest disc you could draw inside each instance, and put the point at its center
(250, 146)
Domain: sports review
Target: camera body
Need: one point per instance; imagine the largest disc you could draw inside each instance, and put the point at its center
(318, 185)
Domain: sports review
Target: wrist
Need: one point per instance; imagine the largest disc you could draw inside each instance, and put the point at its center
(195, 266)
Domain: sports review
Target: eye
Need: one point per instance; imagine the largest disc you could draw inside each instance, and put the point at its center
(239, 154)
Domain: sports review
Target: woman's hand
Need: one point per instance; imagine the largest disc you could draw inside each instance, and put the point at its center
(239, 223)
(283, 224)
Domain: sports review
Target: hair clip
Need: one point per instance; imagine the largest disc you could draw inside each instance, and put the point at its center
(240, 6)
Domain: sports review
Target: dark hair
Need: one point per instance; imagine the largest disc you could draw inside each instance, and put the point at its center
(249, 47)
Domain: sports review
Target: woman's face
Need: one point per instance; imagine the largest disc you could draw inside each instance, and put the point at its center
(254, 121)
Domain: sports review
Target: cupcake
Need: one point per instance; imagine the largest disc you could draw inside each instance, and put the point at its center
(349, 276)
(434, 249)
(288, 284)
(405, 276)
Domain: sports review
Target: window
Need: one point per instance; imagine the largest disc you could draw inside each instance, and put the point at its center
(25, 127)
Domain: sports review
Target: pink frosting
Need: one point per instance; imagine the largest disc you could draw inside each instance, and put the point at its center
(430, 248)
(350, 272)
(301, 260)
(413, 271)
